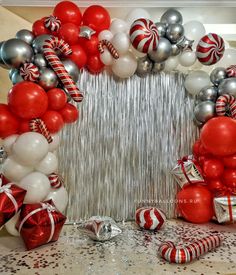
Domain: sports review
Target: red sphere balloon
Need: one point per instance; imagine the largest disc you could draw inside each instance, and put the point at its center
(218, 136)
(68, 12)
(94, 64)
(213, 168)
(78, 56)
(56, 99)
(70, 33)
(27, 100)
(9, 124)
(196, 147)
(90, 45)
(195, 203)
(229, 178)
(230, 161)
(39, 28)
(97, 18)
(53, 121)
(215, 185)
(24, 126)
(69, 113)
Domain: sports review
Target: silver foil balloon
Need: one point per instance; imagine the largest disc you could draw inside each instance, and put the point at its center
(158, 67)
(174, 32)
(39, 41)
(217, 75)
(208, 93)
(39, 60)
(16, 77)
(175, 50)
(11, 72)
(198, 123)
(15, 52)
(25, 35)
(71, 68)
(86, 32)
(2, 63)
(185, 43)
(47, 79)
(161, 27)
(228, 86)
(204, 111)
(144, 66)
(163, 51)
(172, 16)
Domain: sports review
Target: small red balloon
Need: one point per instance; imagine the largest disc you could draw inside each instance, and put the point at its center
(94, 64)
(68, 12)
(195, 148)
(215, 185)
(69, 113)
(39, 28)
(213, 168)
(229, 178)
(70, 33)
(53, 121)
(78, 56)
(24, 127)
(56, 99)
(230, 161)
(9, 124)
(90, 45)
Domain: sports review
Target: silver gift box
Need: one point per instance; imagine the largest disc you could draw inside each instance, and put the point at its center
(222, 208)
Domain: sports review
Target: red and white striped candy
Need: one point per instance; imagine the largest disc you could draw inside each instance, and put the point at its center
(231, 71)
(210, 49)
(56, 180)
(29, 72)
(150, 218)
(222, 102)
(52, 23)
(181, 255)
(144, 35)
(49, 52)
(37, 125)
(109, 46)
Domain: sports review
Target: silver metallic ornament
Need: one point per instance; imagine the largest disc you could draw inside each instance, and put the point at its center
(86, 32)
(71, 68)
(158, 67)
(185, 43)
(16, 77)
(208, 93)
(11, 72)
(163, 51)
(39, 41)
(175, 50)
(2, 63)
(25, 35)
(228, 86)
(217, 75)
(174, 32)
(172, 16)
(144, 66)
(204, 111)
(47, 79)
(39, 60)
(161, 27)
(15, 52)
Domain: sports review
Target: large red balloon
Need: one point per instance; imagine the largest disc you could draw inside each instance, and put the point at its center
(94, 64)
(78, 56)
(24, 126)
(90, 45)
(230, 161)
(229, 177)
(195, 203)
(70, 33)
(218, 136)
(97, 18)
(56, 99)
(68, 12)
(213, 168)
(69, 113)
(27, 100)
(9, 124)
(215, 185)
(39, 28)
(53, 121)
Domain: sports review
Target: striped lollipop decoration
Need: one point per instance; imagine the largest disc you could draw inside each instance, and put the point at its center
(231, 71)
(52, 23)
(221, 105)
(105, 43)
(144, 35)
(182, 255)
(56, 180)
(37, 125)
(210, 49)
(29, 72)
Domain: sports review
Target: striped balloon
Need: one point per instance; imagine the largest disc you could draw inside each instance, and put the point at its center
(181, 255)
(144, 35)
(52, 23)
(150, 218)
(29, 72)
(56, 180)
(221, 105)
(210, 49)
(231, 71)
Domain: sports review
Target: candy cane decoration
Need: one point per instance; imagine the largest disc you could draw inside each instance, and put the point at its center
(29, 72)
(222, 102)
(170, 253)
(105, 43)
(49, 52)
(56, 180)
(52, 23)
(37, 125)
(231, 71)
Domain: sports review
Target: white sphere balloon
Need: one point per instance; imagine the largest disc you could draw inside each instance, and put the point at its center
(119, 25)
(14, 171)
(194, 30)
(121, 42)
(195, 81)
(37, 186)
(8, 142)
(55, 142)
(11, 225)
(136, 14)
(171, 64)
(187, 58)
(59, 197)
(48, 165)
(229, 58)
(105, 35)
(135, 52)
(125, 66)
(106, 58)
(197, 65)
(30, 148)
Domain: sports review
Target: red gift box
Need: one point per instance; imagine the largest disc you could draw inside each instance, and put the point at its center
(40, 223)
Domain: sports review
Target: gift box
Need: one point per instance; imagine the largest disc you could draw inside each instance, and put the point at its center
(40, 223)
(225, 209)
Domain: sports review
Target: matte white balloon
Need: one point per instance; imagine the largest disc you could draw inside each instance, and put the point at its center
(55, 142)
(8, 142)
(121, 42)
(136, 53)
(229, 58)
(30, 148)
(106, 58)
(11, 225)
(171, 64)
(136, 14)
(37, 186)
(59, 197)
(14, 171)
(119, 25)
(48, 165)
(195, 81)
(194, 30)
(105, 35)
(187, 58)
(125, 66)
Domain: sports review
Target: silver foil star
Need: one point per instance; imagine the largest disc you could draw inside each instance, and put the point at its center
(185, 44)
(86, 32)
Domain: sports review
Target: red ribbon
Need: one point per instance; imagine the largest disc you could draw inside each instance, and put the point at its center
(230, 209)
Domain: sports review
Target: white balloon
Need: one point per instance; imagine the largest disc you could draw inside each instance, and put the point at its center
(197, 65)
(30, 148)
(11, 225)
(119, 25)
(229, 58)
(106, 58)
(48, 165)
(136, 53)
(37, 186)
(59, 197)
(195, 81)
(121, 42)
(105, 35)
(171, 64)
(8, 142)
(183, 69)
(55, 142)
(136, 14)
(125, 66)
(194, 30)
(14, 171)
(187, 58)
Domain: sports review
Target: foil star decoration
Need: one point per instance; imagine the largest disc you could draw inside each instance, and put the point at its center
(185, 44)
(86, 32)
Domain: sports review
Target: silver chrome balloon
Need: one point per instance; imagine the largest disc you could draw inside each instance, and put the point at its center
(47, 79)
(3, 157)
(175, 50)
(144, 66)
(228, 86)
(185, 43)
(39, 41)
(158, 67)
(2, 64)
(217, 75)
(39, 60)
(208, 93)
(174, 32)
(198, 123)
(161, 27)
(16, 77)
(25, 35)
(71, 68)
(11, 72)
(204, 111)
(163, 51)
(172, 16)
(15, 52)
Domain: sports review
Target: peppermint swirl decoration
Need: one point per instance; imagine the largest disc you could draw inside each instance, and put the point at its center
(52, 23)
(29, 72)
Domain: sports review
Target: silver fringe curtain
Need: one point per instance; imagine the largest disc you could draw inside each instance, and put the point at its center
(119, 154)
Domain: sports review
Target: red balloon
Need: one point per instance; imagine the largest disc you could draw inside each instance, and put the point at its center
(24, 127)
(70, 33)
(90, 45)
(215, 185)
(213, 168)
(53, 121)
(39, 28)
(97, 18)
(68, 12)
(195, 203)
(94, 64)
(229, 177)
(9, 124)
(69, 113)
(230, 161)
(56, 99)
(78, 56)
(27, 100)
(195, 148)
